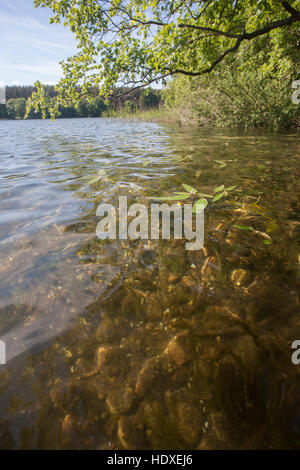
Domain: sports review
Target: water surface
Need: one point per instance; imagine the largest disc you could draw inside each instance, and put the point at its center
(142, 344)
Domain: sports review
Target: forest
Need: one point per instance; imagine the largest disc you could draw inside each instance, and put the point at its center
(19, 105)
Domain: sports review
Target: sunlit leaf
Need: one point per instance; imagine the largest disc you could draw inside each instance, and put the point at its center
(204, 195)
(231, 188)
(189, 189)
(218, 196)
(219, 188)
(199, 206)
(272, 227)
(178, 197)
(94, 180)
(244, 227)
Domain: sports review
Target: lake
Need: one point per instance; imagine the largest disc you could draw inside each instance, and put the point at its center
(142, 344)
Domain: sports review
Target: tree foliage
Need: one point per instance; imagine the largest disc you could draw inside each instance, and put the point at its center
(138, 42)
(251, 89)
(20, 104)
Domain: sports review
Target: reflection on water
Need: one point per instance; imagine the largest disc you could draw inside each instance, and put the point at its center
(142, 344)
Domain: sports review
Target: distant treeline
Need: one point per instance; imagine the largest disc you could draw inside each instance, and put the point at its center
(18, 104)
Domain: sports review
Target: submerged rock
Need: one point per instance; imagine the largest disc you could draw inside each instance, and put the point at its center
(179, 349)
(154, 309)
(130, 432)
(66, 396)
(190, 422)
(120, 401)
(105, 354)
(147, 376)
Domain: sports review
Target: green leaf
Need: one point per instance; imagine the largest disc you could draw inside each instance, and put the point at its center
(199, 206)
(94, 180)
(218, 196)
(230, 188)
(219, 188)
(204, 195)
(182, 193)
(244, 227)
(189, 189)
(223, 165)
(101, 172)
(172, 198)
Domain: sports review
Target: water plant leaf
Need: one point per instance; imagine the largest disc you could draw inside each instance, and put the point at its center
(199, 206)
(223, 165)
(218, 196)
(204, 195)
(181, 193)
(189, 189)
(219, 188)
(178, 197)
(94, 180)
(230, 188)
(244, 227)
(272, 226)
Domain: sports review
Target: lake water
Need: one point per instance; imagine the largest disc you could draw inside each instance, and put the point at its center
(122, 344)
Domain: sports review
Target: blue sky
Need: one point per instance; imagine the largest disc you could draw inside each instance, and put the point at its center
(31, 47)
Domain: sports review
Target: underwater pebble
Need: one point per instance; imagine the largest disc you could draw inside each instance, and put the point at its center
(147, 376)
(130, 432)
(178, 349)
(240, 277)
(104, 355)
(120, 401)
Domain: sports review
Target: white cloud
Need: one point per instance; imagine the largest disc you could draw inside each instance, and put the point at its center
(20, 22)
(46, 45)
(47, 68)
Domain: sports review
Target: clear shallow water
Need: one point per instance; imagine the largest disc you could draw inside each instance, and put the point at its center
(142, 344)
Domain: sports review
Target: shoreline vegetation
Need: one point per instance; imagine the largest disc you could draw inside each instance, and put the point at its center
(240, 72)
(230, 101)
(253, 89)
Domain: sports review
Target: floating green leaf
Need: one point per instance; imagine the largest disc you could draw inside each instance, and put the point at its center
(189, 189)
(182, 193)
(178, 197)
(230, 188)
(94, 180)
(223, 165)
(204, 195)
(219, 188)
(199, 206)
(244, 227)
(218, 196)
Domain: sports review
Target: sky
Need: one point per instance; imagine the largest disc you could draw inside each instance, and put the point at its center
(31, 47)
